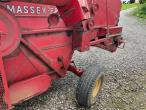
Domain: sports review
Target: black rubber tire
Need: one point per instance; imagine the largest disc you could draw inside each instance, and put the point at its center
(85, 86)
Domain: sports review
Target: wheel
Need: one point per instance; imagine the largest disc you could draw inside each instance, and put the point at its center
(89, 87)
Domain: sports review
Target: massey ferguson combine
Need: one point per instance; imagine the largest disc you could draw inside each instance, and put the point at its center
(39, 37)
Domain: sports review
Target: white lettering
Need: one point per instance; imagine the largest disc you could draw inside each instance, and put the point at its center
(19, 10)
(25, 9)
(44, 10)
(51, 10)
(32, 10)
(38, 10)
(11, 8)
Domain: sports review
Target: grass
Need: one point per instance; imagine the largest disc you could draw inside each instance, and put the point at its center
(141, 11)
(140, 15)
(128, 6)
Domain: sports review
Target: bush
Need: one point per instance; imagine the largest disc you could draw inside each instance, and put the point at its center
(141, 11)
(142, 1)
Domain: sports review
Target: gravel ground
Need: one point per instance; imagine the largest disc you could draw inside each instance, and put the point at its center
(125, 75)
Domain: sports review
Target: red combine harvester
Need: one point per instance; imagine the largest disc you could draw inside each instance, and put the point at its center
(39, 37)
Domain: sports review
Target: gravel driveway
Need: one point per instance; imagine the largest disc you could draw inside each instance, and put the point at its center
(125, 80)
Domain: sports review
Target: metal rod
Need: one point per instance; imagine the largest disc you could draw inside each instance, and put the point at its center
(107, 19)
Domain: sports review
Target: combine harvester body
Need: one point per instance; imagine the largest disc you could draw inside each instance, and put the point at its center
(38, 39)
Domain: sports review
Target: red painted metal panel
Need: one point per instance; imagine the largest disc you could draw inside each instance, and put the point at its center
(50, 32)
(10, 37)
(5, 102)
(28, 88)
(48, 2)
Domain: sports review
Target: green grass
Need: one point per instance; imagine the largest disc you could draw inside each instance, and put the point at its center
(140, 15)
(128, 6)
(141, 11)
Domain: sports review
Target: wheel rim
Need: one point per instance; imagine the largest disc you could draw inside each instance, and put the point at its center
(97, 87)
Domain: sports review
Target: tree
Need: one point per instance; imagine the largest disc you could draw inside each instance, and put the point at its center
(132, 1)
(142, 1)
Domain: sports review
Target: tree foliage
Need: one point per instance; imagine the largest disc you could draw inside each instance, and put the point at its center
(132, 1)
(142, 1)
(141, 11)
